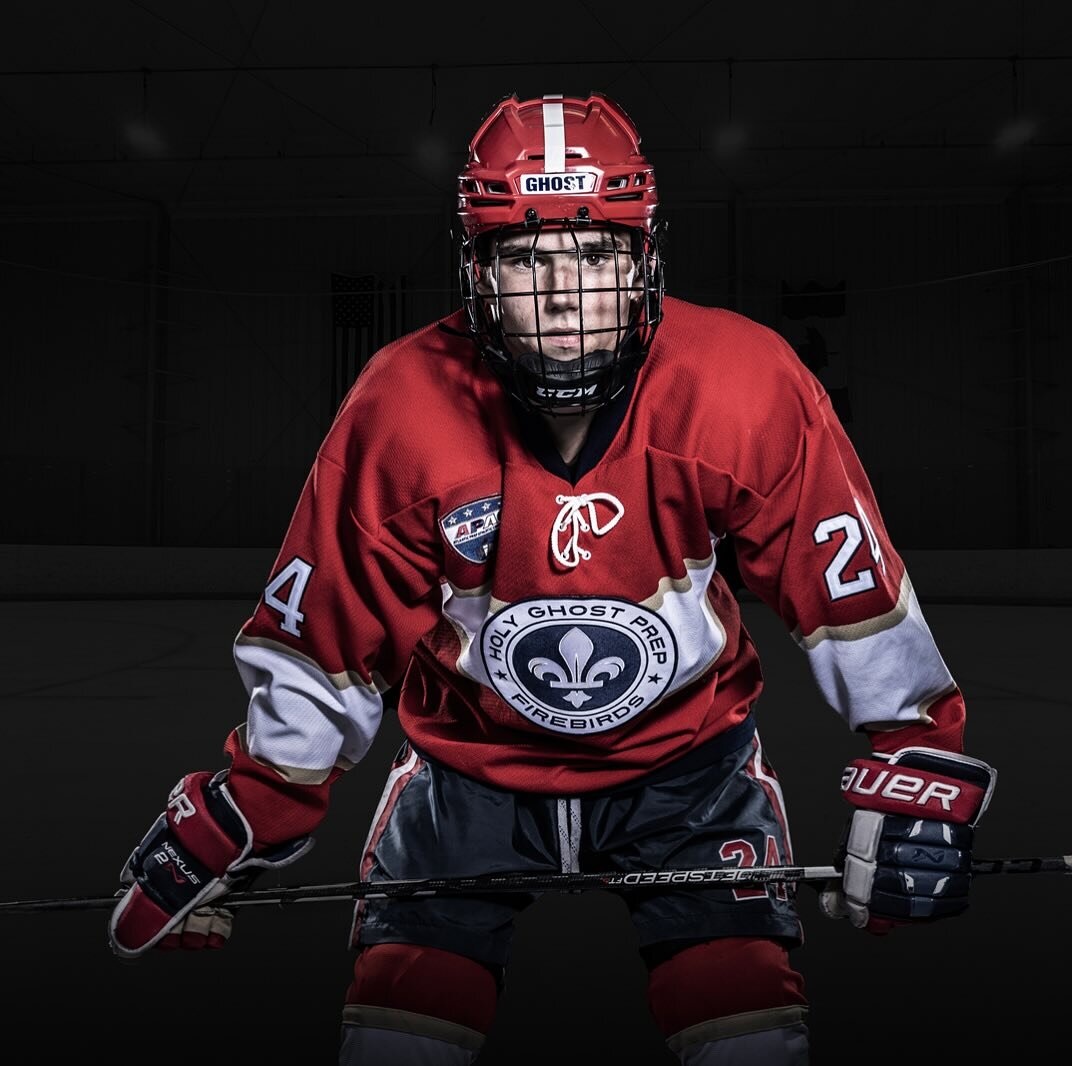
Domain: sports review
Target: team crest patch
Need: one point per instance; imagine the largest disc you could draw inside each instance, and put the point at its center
(472, 528)
(578, 665)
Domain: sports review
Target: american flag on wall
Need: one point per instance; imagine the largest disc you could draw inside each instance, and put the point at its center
(368, 311)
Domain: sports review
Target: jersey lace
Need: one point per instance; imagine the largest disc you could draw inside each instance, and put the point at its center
(571, 520)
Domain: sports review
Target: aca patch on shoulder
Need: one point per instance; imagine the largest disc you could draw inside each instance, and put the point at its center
(472, 528)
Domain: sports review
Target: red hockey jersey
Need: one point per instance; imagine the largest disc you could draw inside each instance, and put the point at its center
(563, 638)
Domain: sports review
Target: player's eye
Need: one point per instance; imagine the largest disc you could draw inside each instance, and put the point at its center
(522, 262)
(596, 259)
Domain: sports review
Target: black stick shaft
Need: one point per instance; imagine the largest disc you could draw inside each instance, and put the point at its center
(528, 882)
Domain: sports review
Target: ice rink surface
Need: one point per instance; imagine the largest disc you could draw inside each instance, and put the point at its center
(105, 705)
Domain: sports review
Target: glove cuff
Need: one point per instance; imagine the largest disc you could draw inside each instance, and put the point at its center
(921, 782)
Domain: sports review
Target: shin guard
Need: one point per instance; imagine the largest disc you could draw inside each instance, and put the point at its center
(774, 1037)
(411, 1005)
(380, 1036)
(731, 1000)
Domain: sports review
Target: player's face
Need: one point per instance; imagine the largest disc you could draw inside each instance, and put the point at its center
(564, 282)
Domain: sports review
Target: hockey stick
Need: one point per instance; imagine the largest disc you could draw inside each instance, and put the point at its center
(529, 882)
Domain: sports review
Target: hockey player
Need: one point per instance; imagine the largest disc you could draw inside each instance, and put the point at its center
(517, 516)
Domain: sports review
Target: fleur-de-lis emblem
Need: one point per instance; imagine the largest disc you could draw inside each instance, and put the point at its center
(576, 651)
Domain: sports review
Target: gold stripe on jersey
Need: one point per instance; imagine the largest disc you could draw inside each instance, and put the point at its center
(295, 775)
(868, 627)
(342, 680)
(676, 584)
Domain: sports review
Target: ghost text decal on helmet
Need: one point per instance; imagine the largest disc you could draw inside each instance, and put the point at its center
(560, 271)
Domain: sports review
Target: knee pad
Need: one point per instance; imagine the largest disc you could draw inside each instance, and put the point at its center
(733, 999)
(425, 982)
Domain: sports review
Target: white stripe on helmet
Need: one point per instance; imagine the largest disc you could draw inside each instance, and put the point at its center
(554, 135)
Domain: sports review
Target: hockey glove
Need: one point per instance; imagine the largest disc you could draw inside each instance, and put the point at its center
(906, 852)
(198, 850)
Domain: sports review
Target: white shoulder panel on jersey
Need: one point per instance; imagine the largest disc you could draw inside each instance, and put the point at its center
(886, 669)
(302, 720)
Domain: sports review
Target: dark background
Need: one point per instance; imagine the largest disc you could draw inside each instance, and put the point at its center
(185, 192)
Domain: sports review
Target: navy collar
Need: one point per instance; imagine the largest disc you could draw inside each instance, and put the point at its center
(601, 432)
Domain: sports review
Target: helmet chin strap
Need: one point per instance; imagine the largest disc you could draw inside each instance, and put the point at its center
(559, 386)
(566, 372)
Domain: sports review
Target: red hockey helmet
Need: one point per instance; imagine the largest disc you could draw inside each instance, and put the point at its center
(556, 156)
(571, 165)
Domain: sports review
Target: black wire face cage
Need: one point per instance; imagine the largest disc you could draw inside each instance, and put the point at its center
(596, 375)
